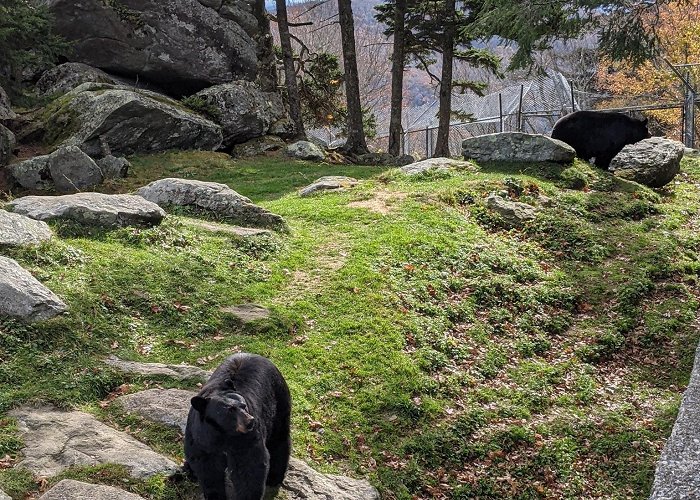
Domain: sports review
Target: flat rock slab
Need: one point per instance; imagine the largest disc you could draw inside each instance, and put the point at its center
(241, 232)
(517, 147)
(653, 162)
(304, 483)
(440, 164)
(211, 197)
(164, 406)
(513, 212)
(177, 372)
(4, 496)
(68, 489)
(18, 230)
(247, 313)
(56, 440)
(328, 183)
(24, 297)
(91, 209)
(677, 470)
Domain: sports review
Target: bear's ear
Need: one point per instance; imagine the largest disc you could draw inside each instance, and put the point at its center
(199, 403)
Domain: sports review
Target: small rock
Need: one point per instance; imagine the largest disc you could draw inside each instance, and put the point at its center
(113, 167)
(328, 183)
(164, 406)
(56, 440)
(67, 169)
(517, 147)
(305, 150)
(91, 209)
(304, 483)
(258, 146)
(247, 313)
(513, 212)
(323, 145)
(653, 162)
(545, 201)
(7, 145)
(68, 489)
(442, 164)
(24, 297)
(241, 232)
(211, 197)
(65, 77)
(17, 230)
(691, 153)
(4, 496)
(177, 372)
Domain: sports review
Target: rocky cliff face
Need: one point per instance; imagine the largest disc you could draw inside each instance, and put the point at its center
(181, 45)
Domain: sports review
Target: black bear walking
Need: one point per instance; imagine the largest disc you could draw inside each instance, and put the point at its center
(239, 425)
(599, 135)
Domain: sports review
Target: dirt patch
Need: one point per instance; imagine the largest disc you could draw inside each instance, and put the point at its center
(381, 203)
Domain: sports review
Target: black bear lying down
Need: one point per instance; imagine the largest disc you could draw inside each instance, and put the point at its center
(239, 426)
(599, 135)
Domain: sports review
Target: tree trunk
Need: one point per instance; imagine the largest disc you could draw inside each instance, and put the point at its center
(356, 143)
(442, 148)
(397, 67)
(290, 75)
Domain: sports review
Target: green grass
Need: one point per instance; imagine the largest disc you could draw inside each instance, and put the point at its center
(427, 346)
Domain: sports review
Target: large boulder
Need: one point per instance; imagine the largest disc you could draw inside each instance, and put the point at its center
(66, 170)
(517, 147)
(210, 197)
(24, 297)
(183, 45)
(437, 164)
(69, 489)
(6, 112)
(7, 145)
(243, 110)
(65, 77)
(55, 440)
(110, 119)
(91, 209)
(653, 162)
(305, 150)
(18, 230)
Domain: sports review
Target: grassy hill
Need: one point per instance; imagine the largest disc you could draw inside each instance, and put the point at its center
(427, 346)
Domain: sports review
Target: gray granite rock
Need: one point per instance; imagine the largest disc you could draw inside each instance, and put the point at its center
(91, 209)
(7, 145)
(513, 213)
(328, 183)
(216, 199)
(24, 297)
(177, 372)
(654, 162)
(113, 167)
(247, 313)
(6, 112)
(258, 146)
(69, 489)
(691, 153)
(67, 169)
(305, 150)
(164, 406)
(65, 77)
(517, 147)
(4, 496)
(55, 440)
(238, 231)
(18, 230)
(304, 483)
(442, 164)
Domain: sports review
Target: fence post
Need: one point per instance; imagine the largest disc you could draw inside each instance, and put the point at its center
(573, 102)
(427, 147)
(520, 109)
(689, 115)
(500, 110)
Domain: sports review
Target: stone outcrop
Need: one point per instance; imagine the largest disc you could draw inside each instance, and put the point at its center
(182, 45)
(24, 297)
(65, 77)
(55, 440)
(211, 197)
(305, 150)
(7, 145)
(247, 313)
(517, 147)
(258, 146)
(18, 230)
(69, 489)
(66, 170)
(653, 162)
(513, 213)
(164, 406)
(91, 209)
(328, 183)
(243, 110)
(6, 112)
(440, 164)
(126, 121)
(177, 372)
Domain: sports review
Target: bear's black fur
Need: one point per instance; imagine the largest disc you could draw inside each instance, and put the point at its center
(239, 425)
(599, 135)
